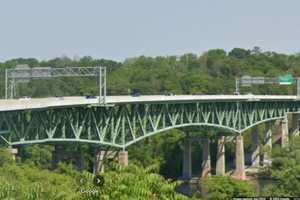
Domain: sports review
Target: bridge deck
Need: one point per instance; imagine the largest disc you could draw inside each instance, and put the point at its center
(39, 103)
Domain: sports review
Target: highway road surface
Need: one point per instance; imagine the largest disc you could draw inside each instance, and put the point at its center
(52, 102)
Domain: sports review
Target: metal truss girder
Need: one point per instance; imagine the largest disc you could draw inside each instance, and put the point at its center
(124, 124)
(46, 72)
(23, 75)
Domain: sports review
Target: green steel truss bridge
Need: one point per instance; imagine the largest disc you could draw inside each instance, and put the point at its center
(124, 120)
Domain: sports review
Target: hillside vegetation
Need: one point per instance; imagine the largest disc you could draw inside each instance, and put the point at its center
(212, 72)
(155, 163)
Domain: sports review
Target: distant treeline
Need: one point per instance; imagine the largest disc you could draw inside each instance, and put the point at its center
(212, 72)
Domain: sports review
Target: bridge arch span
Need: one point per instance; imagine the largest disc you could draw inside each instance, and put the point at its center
(181, 126)
(124, 124)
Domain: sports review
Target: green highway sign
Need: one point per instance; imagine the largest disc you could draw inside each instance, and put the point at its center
(286, 79)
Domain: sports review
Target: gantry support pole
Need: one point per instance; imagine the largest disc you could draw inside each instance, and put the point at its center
(220, 165)
(268, 144)
(284, 132)
(206, 164)
(6, 84)
(298, 87)
(187, 159)
(295, 124)
(239, 172)
(100, 84)
(254, 147)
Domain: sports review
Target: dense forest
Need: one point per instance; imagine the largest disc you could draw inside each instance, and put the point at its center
(153, 173)
(212, 72)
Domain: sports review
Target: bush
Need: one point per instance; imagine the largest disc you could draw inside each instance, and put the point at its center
(125, 183)
(225, 188)
(5, 157)
(285, 171)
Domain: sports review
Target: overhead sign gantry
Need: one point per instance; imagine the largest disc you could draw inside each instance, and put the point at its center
(248, 81)
(23, 74)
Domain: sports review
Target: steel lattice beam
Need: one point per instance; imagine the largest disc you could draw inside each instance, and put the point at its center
(19, 75)
(124, 124)
(48, 72)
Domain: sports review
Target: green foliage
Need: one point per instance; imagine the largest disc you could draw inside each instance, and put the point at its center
(38, 155)
(133, 183)
(285, 171)
(31, 183)
(5, 157)
(160, 149)
(212, 72)
(224, 188)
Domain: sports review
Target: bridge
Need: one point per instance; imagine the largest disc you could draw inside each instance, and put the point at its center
(125, 120)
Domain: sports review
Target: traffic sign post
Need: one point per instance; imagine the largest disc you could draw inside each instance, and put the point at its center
(298, 87)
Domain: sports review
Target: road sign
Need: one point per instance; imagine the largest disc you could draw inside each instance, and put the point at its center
(246, 81)
(286, 79)
(258, 80)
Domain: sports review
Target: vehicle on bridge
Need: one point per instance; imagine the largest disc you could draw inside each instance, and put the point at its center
(169, 93)
(25, 98)
(136, 94)
(90, 97)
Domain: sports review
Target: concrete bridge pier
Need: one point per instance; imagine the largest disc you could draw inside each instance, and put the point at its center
(57, 155)
(295, 124)
(255, 147)
(206, 162)
(187, 159)
(123, 158)
(220, 165)
(13, 152)
(80, 160)
(239, 172)
(268, 144)
(102, 157)
(284, 132)
(99, 161)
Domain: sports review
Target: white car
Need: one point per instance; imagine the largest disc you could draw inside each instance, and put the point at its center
(25, 98)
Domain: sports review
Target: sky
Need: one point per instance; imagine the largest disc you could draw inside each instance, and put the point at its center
(120, 29)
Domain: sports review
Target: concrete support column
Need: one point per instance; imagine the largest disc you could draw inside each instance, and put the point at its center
(254, 147)
(206, 165)
(268, 144)
(80, 160)
(220, 166)
(13, 152)
(239, 158)
(57, 155)
(123, 158)
(187, 159)
(295, 124)
(99, 161)
(284, 132)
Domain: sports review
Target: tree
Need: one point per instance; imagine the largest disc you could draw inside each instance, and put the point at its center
(239, 53)
(224, 188)
(5, 157)
(285, 171)
(133, 183)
